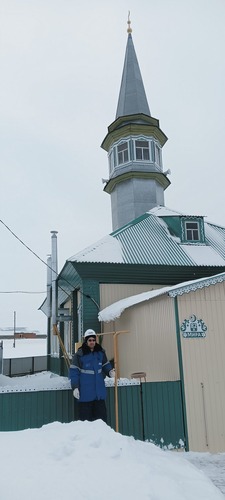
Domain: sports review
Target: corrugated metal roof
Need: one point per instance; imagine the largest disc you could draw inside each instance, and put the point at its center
(147, 240)
(215, 237)
(150, 242)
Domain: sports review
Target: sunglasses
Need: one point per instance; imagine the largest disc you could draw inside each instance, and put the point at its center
(91, 340)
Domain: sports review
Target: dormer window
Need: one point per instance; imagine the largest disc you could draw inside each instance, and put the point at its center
(122, 153)
(142, 150)
(192, 232)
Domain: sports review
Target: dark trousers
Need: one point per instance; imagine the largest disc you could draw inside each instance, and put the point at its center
(93, 410)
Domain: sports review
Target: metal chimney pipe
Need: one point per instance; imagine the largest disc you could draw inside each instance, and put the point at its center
(49, 284)
(54, 267)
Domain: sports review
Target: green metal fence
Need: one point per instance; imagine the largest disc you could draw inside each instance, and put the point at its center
(24, 410)
(130, 413)
(150, 411)
(163, 413)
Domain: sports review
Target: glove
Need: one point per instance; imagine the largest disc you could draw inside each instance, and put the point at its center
(76, 393)
(112, 373)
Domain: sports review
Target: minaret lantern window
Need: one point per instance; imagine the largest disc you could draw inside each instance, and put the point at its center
(142, 150)
(157, 154)
(122, 152)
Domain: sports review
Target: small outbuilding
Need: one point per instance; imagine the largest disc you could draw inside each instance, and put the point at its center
(177, 333)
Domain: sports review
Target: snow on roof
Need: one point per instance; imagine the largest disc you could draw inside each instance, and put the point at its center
(142, 241)
(115, 310)
(203, 255)
(162, 211)
(108, 249)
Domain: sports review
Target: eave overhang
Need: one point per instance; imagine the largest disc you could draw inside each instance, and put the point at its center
(157, 176)
(133, 125)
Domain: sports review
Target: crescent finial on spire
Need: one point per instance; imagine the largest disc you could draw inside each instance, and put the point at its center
(129, 29)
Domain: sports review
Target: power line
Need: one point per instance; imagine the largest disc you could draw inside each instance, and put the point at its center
(35, 254)
(24, 244)
(45, 263)
(21, 291)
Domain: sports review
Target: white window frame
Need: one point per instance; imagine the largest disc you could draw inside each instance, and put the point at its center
(111, 160)
(158, 160)
(122, 153)
(192, 230)
(142, 139)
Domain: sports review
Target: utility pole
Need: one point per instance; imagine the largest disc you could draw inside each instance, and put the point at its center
(14, 329)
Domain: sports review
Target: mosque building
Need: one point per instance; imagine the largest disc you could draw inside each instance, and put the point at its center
(159, 274)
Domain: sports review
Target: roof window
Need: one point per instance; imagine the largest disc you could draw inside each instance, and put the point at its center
(192, 229)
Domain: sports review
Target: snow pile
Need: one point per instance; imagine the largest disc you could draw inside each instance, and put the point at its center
(89, 461)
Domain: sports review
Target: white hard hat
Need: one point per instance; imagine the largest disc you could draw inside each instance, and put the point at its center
(89, 333)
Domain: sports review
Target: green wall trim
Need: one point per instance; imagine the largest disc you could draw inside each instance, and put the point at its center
(180, 360)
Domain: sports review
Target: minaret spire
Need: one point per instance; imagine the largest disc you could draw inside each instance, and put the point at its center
(132, 96)
(134, 145)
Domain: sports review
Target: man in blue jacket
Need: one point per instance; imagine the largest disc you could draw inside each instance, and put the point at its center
(89, 365)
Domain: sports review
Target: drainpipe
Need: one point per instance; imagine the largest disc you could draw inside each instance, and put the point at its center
(49, 284)
(54, 267)
(180, 360)
(1, 357)
(49, 308)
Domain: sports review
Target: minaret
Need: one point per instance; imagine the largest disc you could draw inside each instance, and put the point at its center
(134, 144)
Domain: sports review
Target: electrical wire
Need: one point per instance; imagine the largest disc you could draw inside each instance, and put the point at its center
(45, 263)
(21, 291)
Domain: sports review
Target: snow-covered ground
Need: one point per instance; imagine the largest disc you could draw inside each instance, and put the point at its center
(89, 461)
(213, 465)
(24, 348)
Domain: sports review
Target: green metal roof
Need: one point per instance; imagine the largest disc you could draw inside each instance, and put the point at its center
(148, 240)
(145, 251)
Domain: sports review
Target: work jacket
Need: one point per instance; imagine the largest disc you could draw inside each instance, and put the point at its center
(87, 372)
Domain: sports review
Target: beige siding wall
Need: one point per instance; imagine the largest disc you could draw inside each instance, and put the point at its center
(150, 345)
(204, 369)
(110, 293)
(113, 292)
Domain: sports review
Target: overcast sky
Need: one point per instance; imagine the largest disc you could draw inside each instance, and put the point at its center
(61, 65)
